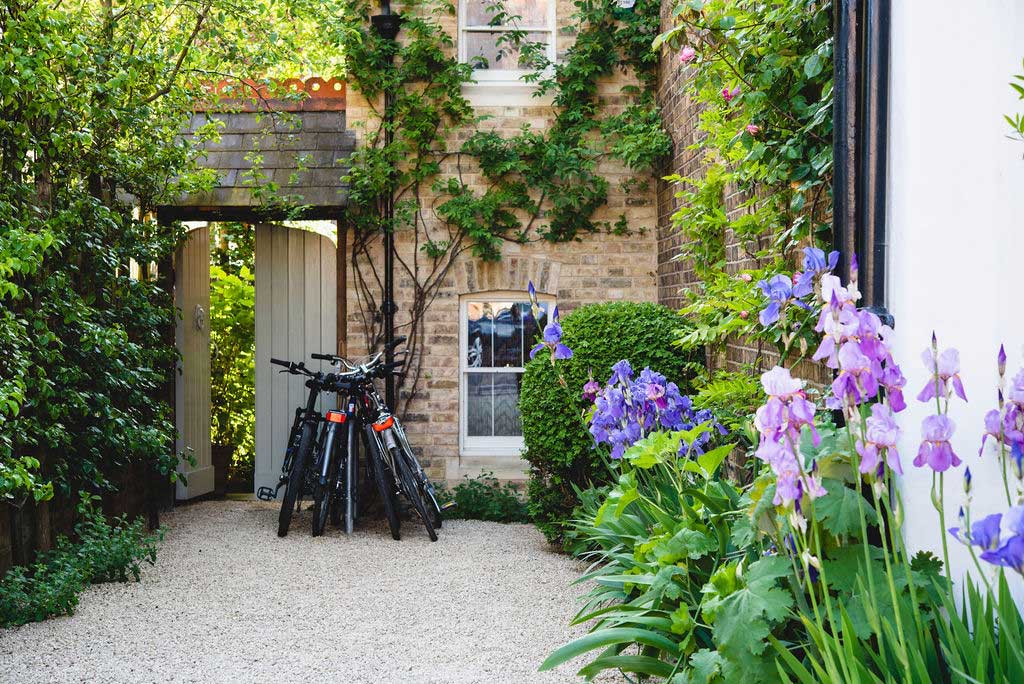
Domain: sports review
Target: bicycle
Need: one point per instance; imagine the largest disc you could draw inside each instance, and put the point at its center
(394, 466)
(300, 444)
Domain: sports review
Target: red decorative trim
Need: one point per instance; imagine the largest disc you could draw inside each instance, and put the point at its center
(318, 95)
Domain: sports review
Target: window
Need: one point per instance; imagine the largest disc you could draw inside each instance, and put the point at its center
(497, 332)
(484, 35)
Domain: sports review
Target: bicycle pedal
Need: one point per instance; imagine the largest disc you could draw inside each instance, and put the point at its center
(448, 506)
(266, 493)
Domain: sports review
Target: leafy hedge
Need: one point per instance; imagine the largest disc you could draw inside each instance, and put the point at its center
(559, 448)
(484, 498)
(105, 552)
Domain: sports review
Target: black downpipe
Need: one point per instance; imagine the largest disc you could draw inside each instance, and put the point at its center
(386, 26)
(860, 143)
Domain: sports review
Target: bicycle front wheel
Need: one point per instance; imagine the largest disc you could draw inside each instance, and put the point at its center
(296, 479)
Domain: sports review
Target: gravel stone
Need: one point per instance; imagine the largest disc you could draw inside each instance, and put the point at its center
(228, 601)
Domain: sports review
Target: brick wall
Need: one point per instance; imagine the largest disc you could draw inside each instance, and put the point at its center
(599, 268)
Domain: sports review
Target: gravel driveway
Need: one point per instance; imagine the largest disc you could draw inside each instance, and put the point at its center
(230, 602)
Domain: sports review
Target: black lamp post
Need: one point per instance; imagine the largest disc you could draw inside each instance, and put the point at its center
(386, 26)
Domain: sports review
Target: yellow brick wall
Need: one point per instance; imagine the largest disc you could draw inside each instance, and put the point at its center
(600, 267)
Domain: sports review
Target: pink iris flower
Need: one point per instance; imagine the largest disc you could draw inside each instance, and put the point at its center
(936, 452)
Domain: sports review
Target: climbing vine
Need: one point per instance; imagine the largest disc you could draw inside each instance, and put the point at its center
(461, 188)
(760, 75)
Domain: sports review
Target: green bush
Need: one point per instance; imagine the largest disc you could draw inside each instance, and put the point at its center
(484, 498)
(105, 552)
(559, 448)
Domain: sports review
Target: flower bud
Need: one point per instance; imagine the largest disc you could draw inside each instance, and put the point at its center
(968, 478)
(1001, 360)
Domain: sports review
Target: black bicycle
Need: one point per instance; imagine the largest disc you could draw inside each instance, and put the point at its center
(393, 465)
(301, 441)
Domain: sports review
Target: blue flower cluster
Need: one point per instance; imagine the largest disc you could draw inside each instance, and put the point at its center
(629, 408)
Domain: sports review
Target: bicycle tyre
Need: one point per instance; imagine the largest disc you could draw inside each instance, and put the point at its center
(384, 489)
(412, 490)
(295, 480)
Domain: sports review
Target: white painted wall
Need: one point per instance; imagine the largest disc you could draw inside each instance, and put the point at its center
(956, 226)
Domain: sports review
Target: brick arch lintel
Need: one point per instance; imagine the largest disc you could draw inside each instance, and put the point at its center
(511, 273)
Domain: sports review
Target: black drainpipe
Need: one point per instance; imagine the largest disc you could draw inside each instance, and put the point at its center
(860, 143)
(386, 26)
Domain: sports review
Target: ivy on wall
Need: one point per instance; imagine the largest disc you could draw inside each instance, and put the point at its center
(533, 185)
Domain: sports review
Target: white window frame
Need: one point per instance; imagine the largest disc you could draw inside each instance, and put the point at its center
(507, 77)
(488, 446)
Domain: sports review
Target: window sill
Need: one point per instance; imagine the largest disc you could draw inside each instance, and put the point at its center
(510, 92)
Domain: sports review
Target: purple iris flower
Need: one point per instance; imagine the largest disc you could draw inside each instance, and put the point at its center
(882, 433)
(778, 289)
(553, 341)
(984, 533)
(623, 372)
(993, 428)
(815, 262)
(945, 365)
(936, 452)
(590, 390)
(1009, 555)
(893, 381)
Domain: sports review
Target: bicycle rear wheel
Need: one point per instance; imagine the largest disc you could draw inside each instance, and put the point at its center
(296, 478)
(383, 479)
(323, 490)
(412, 490)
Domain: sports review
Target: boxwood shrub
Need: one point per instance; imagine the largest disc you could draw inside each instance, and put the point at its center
(559, 448)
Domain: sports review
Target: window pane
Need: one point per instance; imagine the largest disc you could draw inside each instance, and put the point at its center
(479, 405)
(508, 335)
(489, 50)
(479, 350)
(529, 12)
(506, 405)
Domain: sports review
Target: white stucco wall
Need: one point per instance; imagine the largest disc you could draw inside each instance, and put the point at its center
(956, 226)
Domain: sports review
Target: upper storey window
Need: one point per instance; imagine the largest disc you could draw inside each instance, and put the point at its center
(491, 36)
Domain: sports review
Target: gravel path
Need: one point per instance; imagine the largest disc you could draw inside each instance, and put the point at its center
(230, 602)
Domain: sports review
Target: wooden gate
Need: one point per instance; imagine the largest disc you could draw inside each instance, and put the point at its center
(192, 389)
(296, 315)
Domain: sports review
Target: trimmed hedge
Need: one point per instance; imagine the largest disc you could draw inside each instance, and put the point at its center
(559, 448)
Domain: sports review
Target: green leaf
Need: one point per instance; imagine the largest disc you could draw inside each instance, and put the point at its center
(706, 665)
(686, 543)
(813, 65)
(608, 637)
(711, 460)
(840, 509)
(743, 618)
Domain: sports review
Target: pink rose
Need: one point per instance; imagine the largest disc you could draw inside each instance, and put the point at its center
(753, 129)
(730, 95)
(687, 54)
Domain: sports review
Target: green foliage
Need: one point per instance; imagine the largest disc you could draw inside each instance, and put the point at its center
(732, 396)
(233, 364)
(559, 448)
(484, 498)
(93, 97)
(103, 551)
(776, 58)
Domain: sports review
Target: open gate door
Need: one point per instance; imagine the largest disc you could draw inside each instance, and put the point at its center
(192, 388)
(296, 315)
